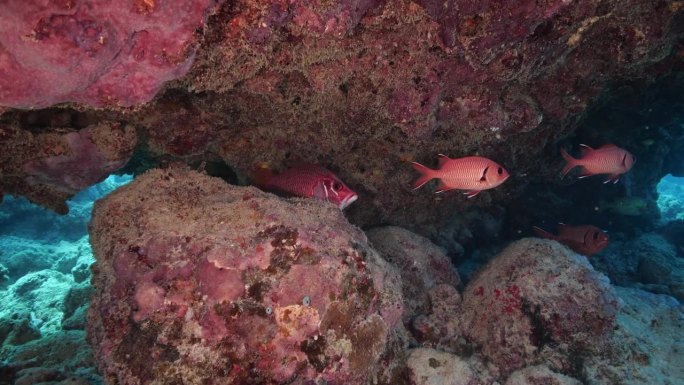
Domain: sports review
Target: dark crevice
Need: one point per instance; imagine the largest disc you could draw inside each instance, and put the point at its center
(540, 336)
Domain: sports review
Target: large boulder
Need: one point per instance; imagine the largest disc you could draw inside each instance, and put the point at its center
(421, 263)
(534, 296)
(647, 345)
(198, 281)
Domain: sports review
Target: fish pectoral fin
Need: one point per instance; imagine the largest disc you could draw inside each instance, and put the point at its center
(612, 178)
(471, 193)
(483, 178)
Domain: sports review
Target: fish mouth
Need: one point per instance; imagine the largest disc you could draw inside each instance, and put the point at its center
(347, 201)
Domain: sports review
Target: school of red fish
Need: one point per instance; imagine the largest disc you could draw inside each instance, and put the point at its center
(471, 174)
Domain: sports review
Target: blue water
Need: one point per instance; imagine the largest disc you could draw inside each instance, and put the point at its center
(671, 198)
(45, 263)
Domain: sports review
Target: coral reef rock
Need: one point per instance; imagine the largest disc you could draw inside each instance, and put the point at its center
(357, 86)
(647, 345)
(648, 261)
(537, 295)
(198, 281)
(100, 53)
(434, 367)
(50, 167)
(540, 374)
(421, 263)
(440, 327)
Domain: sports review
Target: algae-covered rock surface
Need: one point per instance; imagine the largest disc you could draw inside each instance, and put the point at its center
(217, 282)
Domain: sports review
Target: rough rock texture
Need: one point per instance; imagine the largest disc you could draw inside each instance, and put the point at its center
(50, 167)
(434, 367)
(649, 261)
(647, 345)
(421, 264)
(440, 327)
(223, 283)
(363, 86)
(533, 375)
(537, 295)
(100, 53)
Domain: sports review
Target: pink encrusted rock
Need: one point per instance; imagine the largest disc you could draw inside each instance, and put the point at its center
(421, 263)
(100, 53)
(81, 162)
(537, 294)
(50, 166)
(202, 282)
(440, 327)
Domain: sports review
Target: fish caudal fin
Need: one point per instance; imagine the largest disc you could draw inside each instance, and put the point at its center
(570, 162)
(262, 176)
(426, 174)
(541, 233)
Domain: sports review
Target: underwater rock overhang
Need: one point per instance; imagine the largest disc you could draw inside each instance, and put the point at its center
(359, 86)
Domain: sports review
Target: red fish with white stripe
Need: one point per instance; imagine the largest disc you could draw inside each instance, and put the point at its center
(472, 173)
(607, 159)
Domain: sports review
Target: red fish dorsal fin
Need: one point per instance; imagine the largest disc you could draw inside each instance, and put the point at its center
(541, 233)
(607, 146)
(562, 227)
(584, 149)
(442, 159)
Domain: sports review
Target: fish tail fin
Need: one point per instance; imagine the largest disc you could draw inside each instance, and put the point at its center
(541, 233)
(262, 175)
(426, 174)
(570, 162)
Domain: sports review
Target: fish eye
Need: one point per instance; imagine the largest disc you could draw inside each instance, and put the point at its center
(500, 170)
(596, 234)
(337, 186)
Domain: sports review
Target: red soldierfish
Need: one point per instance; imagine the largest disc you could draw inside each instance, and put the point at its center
(607, 159)
(585, 239)
(472, 173)
(307, 180)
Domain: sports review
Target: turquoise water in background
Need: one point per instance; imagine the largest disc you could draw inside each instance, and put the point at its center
(671, 198)
(45, 286)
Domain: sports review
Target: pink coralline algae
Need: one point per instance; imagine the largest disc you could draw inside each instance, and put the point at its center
(50, 167)
(421, 263)
(537, 294)
(100, 53)
(198, 281)
(80, 164)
